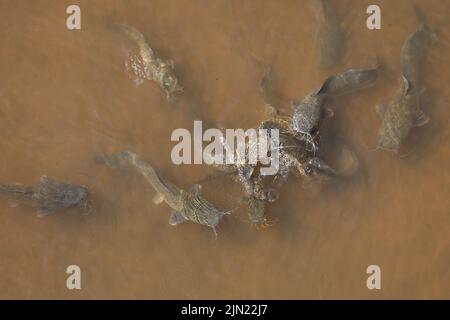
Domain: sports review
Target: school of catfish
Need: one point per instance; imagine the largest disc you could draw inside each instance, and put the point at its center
(299, 127)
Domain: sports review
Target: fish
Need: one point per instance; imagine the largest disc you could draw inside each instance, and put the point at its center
(148, 66)
(351, 80)
(414, 51)
(313, 108)
(331, 38)
(400, 117)
(49, 195)
(187, 205)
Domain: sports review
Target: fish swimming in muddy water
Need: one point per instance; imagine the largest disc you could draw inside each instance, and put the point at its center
(50, 195)
(331, 38)
(148, 66)
(308, 112)
(414, 51)
(187, 205)
(351, 80)
(398, 118)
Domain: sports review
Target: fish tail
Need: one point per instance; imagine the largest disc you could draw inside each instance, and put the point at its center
(118, 160)
(325, 8)
(131, 32)
(422, 23)
(420, 15)
(4, 188)
(136, 36)
(11, 189)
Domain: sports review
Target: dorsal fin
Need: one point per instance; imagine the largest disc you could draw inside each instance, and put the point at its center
(406, 86)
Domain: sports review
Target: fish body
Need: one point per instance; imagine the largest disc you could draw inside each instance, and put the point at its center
(187, 205)
(50, 195)
(405, 111)
(331, 38)
(399, 118)
(149, 66)
(349, 81)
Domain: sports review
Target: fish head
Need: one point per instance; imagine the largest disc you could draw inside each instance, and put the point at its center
(256, 210)
(120, 160)
(75, 195)
(301, 123)
(307, 113)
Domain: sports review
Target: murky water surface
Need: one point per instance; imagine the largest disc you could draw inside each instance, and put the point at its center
(65, 97)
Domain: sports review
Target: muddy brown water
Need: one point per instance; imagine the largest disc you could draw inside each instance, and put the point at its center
(65, 97)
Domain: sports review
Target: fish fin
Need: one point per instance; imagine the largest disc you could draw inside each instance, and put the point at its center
(224, 213)
(307, 183)
(433, 36)
(171, 63)
(381, 109)
(266, 80)
(215, 232)
(271, 110)
(406, 86)
(196, 189)
(294, 103)
(327, 113)
(44, 211)
(176, 218)
(13, 203)
(420, 118)
(44, 179)
(158, 198)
